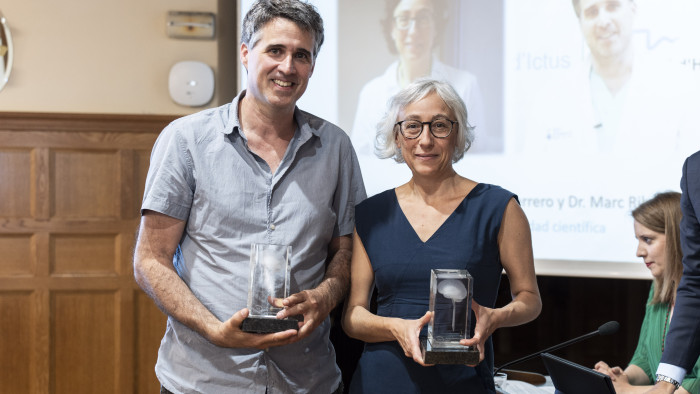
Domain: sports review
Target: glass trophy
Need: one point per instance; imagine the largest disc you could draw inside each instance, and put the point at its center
(450, 302)
(269, 284)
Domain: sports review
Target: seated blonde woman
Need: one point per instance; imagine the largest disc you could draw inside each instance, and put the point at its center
(657, 229)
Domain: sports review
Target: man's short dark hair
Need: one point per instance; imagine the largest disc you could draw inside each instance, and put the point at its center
(303, 14)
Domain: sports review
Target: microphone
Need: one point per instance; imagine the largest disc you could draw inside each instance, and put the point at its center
(608, 328)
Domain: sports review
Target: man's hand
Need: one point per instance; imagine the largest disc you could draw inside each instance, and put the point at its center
(313, 304)
(316, 304)
(229, 334)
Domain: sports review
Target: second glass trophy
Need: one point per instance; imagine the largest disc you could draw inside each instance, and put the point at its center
(269, 284)
(450, 302)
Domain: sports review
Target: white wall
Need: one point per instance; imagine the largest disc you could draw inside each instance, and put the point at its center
(98, 56)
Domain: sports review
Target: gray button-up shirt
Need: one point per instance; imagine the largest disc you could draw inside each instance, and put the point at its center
(203, 172)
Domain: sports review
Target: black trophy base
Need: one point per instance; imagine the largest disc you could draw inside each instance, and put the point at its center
(268, 325)
(466, 355)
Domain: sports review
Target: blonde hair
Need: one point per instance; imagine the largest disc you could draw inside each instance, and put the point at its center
(662, 214)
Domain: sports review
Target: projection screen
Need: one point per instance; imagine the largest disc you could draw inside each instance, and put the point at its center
(580, 149)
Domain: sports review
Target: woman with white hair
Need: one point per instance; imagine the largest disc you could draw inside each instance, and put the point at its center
(439, 219)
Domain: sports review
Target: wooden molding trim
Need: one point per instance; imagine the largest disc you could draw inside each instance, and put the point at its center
(80, 122)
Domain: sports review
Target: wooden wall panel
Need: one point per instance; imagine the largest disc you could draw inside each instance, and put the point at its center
(85, 184)
(16, 253)
(84, 331)
(71, 316)
(15, 176)
(15, 323)
(84, 254)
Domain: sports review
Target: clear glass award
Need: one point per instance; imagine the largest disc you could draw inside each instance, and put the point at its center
(269, 284)
(450, 302)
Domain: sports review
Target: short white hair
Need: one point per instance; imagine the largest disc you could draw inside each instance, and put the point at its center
(385, 144)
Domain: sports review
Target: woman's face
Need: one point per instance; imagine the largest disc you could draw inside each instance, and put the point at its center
(427, 155)
(414, 29)
(652, 248)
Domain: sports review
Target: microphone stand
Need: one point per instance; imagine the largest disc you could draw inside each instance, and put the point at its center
(605, 329)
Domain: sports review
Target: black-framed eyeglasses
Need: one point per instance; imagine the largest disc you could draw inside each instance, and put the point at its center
(439, 128)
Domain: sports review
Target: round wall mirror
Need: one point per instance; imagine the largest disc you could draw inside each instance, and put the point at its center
(5, 51)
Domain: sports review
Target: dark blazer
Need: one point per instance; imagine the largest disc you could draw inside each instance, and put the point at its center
(683, 339)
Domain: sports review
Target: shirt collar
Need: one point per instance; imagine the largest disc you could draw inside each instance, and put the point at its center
(305, 122)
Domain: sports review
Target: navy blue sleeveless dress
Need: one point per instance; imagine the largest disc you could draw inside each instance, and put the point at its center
(401, 262)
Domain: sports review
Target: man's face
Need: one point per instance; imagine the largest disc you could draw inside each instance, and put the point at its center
(279, 65)
(607, 26)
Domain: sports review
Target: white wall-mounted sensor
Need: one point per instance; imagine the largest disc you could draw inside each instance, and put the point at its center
(191, 83)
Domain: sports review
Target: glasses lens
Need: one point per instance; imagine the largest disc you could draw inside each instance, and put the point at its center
(411, 128)
(441, 127)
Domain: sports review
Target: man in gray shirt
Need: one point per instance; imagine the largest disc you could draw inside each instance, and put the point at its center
(258, 170)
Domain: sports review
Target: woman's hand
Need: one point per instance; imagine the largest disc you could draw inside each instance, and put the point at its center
(486, 324)
(613, 372)
(407, 334)
(620, 380)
